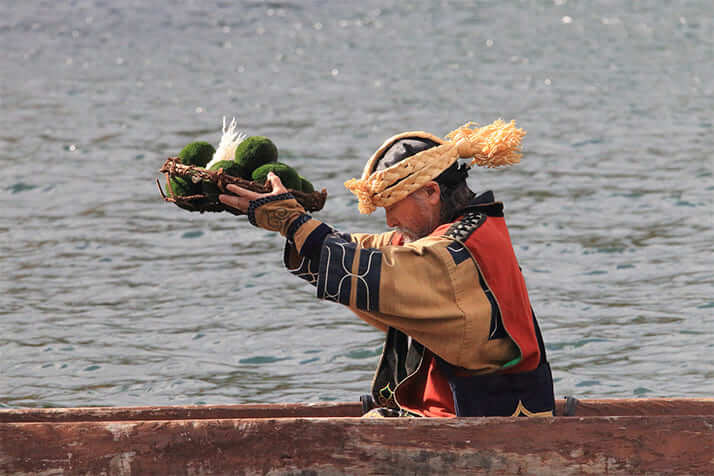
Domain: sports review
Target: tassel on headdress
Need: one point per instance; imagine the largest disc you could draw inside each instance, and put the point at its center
(494, 145)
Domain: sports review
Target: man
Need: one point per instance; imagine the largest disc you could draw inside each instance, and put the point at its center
(445, 286)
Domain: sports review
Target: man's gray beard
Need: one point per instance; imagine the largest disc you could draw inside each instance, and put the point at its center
(408, 235)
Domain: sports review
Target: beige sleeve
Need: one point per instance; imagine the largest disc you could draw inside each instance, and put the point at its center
(366, 240)
(417, 295)
(428, 289)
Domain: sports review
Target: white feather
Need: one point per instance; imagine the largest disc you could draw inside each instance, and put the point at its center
(229, 142)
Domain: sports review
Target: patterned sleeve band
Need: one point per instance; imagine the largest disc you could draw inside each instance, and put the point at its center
(342, 280)
(297, 223)
(313, 244)
(255, 204)
(305, 240)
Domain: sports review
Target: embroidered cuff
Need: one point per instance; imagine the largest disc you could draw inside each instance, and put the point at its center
(275, 212)
(262, 201)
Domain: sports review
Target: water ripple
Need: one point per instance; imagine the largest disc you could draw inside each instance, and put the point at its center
(111, 296)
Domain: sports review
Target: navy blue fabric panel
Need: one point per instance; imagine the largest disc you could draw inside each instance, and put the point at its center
(313, 244)
(306, 268)
(334, 282)
(458, 252)
(485, 203)
(489, 209)
(500, 394)
(368, 274)
(484, 197)
(344, 236)
(498, 330)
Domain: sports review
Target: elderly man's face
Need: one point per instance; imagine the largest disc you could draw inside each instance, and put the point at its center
(417, 215)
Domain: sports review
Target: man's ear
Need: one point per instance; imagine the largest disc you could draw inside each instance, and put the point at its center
(433, 192)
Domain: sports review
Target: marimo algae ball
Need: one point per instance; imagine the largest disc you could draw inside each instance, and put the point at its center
(255, 151)
(287, 174)
(305, 185)
(229, 167)
(182, 187)
(195, 153)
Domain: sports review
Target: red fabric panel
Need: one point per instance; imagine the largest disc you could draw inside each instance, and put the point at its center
(438, 401)
(491, 245)
(427, 393)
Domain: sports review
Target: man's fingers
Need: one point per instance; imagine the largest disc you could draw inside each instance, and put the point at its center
(277, 184)
(234, 201)
(242, 192)
(241, 197)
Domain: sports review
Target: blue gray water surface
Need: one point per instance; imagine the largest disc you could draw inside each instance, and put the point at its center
(110, 296)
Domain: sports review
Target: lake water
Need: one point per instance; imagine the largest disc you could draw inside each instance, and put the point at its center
(110, 296)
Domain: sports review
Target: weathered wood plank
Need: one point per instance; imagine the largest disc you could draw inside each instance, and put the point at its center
(574, 445)
(182, 412)
(644, 406)
(593, 407)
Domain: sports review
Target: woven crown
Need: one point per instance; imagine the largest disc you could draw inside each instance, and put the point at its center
(494, 145)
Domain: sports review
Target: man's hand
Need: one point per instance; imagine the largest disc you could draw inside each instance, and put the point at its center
(273, 211)
(242, 197)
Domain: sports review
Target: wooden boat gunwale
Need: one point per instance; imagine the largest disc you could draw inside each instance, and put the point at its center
(584, 407)
(609, 436)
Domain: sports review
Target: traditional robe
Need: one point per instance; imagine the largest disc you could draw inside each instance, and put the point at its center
(461, 335)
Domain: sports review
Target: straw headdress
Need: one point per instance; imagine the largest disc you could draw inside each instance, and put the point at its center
(494, 145)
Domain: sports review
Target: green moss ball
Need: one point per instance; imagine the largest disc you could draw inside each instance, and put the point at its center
(183, 187)
(229, 167)
(287, 174)
(197, 153)
(255, 151)
(305, 185)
